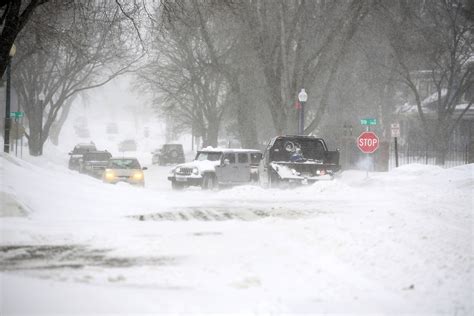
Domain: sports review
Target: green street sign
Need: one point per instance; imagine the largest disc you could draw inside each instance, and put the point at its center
(16, 114)
(368, 121)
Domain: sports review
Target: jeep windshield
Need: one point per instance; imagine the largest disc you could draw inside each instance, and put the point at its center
(210, 156)
(309, 149)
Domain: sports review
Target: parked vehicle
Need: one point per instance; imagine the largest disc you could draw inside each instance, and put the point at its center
(127, 145)
(297, 160)
(214, 167)
(94, 162)
(81, 127)
(124, 170)
(77, 153)
(168, 154)
(111, 128)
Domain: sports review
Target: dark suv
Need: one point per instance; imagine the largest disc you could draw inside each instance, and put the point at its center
(169, 154)
(77, 153)
(94, 162)
(127, 145)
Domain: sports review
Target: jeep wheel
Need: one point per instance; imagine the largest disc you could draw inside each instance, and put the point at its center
(176, 185)
(209, 182)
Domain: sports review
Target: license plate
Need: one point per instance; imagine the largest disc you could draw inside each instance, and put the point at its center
(181, 179)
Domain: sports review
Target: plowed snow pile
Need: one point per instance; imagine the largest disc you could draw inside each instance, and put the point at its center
(396, 242)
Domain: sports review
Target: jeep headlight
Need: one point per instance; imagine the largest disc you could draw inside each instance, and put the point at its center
(195, 171)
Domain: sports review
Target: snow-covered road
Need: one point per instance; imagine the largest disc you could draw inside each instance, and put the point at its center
(398, 242)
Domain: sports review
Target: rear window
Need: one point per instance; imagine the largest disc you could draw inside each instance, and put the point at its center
(255, 158)
(243, 158)
(123, 164)
(311, 149)
(230, 157)
(80, 150)
(97, 156)
(170, 147)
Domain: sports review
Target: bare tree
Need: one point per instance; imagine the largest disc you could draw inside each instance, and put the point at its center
(298, 44)
(435, 38)
(14, 15)
(66, 51)
(191, 89)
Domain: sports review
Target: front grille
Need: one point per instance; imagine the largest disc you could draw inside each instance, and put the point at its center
(184, 171)
(305, 170)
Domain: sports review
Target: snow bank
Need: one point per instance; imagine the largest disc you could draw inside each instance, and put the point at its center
(398, 242)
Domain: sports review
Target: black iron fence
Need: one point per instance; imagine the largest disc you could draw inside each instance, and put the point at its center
(456, 155)
(384, 158)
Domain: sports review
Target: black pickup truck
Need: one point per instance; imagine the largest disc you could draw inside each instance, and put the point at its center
(293, 160)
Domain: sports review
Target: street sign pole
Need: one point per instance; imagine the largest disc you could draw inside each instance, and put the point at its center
(21, 140)
(395, 130)
(396, 152)
(16, 137)
(367, 155)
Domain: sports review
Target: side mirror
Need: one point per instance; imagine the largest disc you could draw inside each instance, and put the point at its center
(144, 168)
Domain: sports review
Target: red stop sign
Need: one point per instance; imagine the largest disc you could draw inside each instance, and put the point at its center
(368, 142)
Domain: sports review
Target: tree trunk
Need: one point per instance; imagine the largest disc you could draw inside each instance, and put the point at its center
(57, 125)
(212, 134)
(247, 124)
(440, 144)
(35, 144)
(246, 113)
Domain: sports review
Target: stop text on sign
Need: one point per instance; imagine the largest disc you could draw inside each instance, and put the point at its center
(364, 142)
(368, 142)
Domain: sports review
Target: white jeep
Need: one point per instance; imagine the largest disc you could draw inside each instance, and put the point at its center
(214, 167)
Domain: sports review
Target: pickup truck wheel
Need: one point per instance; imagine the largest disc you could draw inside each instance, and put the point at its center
(273, 181)
(209, 182)
(176, 185)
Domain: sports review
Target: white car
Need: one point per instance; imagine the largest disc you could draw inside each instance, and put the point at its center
(214, 167)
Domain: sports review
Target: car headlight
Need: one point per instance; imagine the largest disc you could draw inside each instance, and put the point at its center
(138, 176)
(109, 174)
(195, 171)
